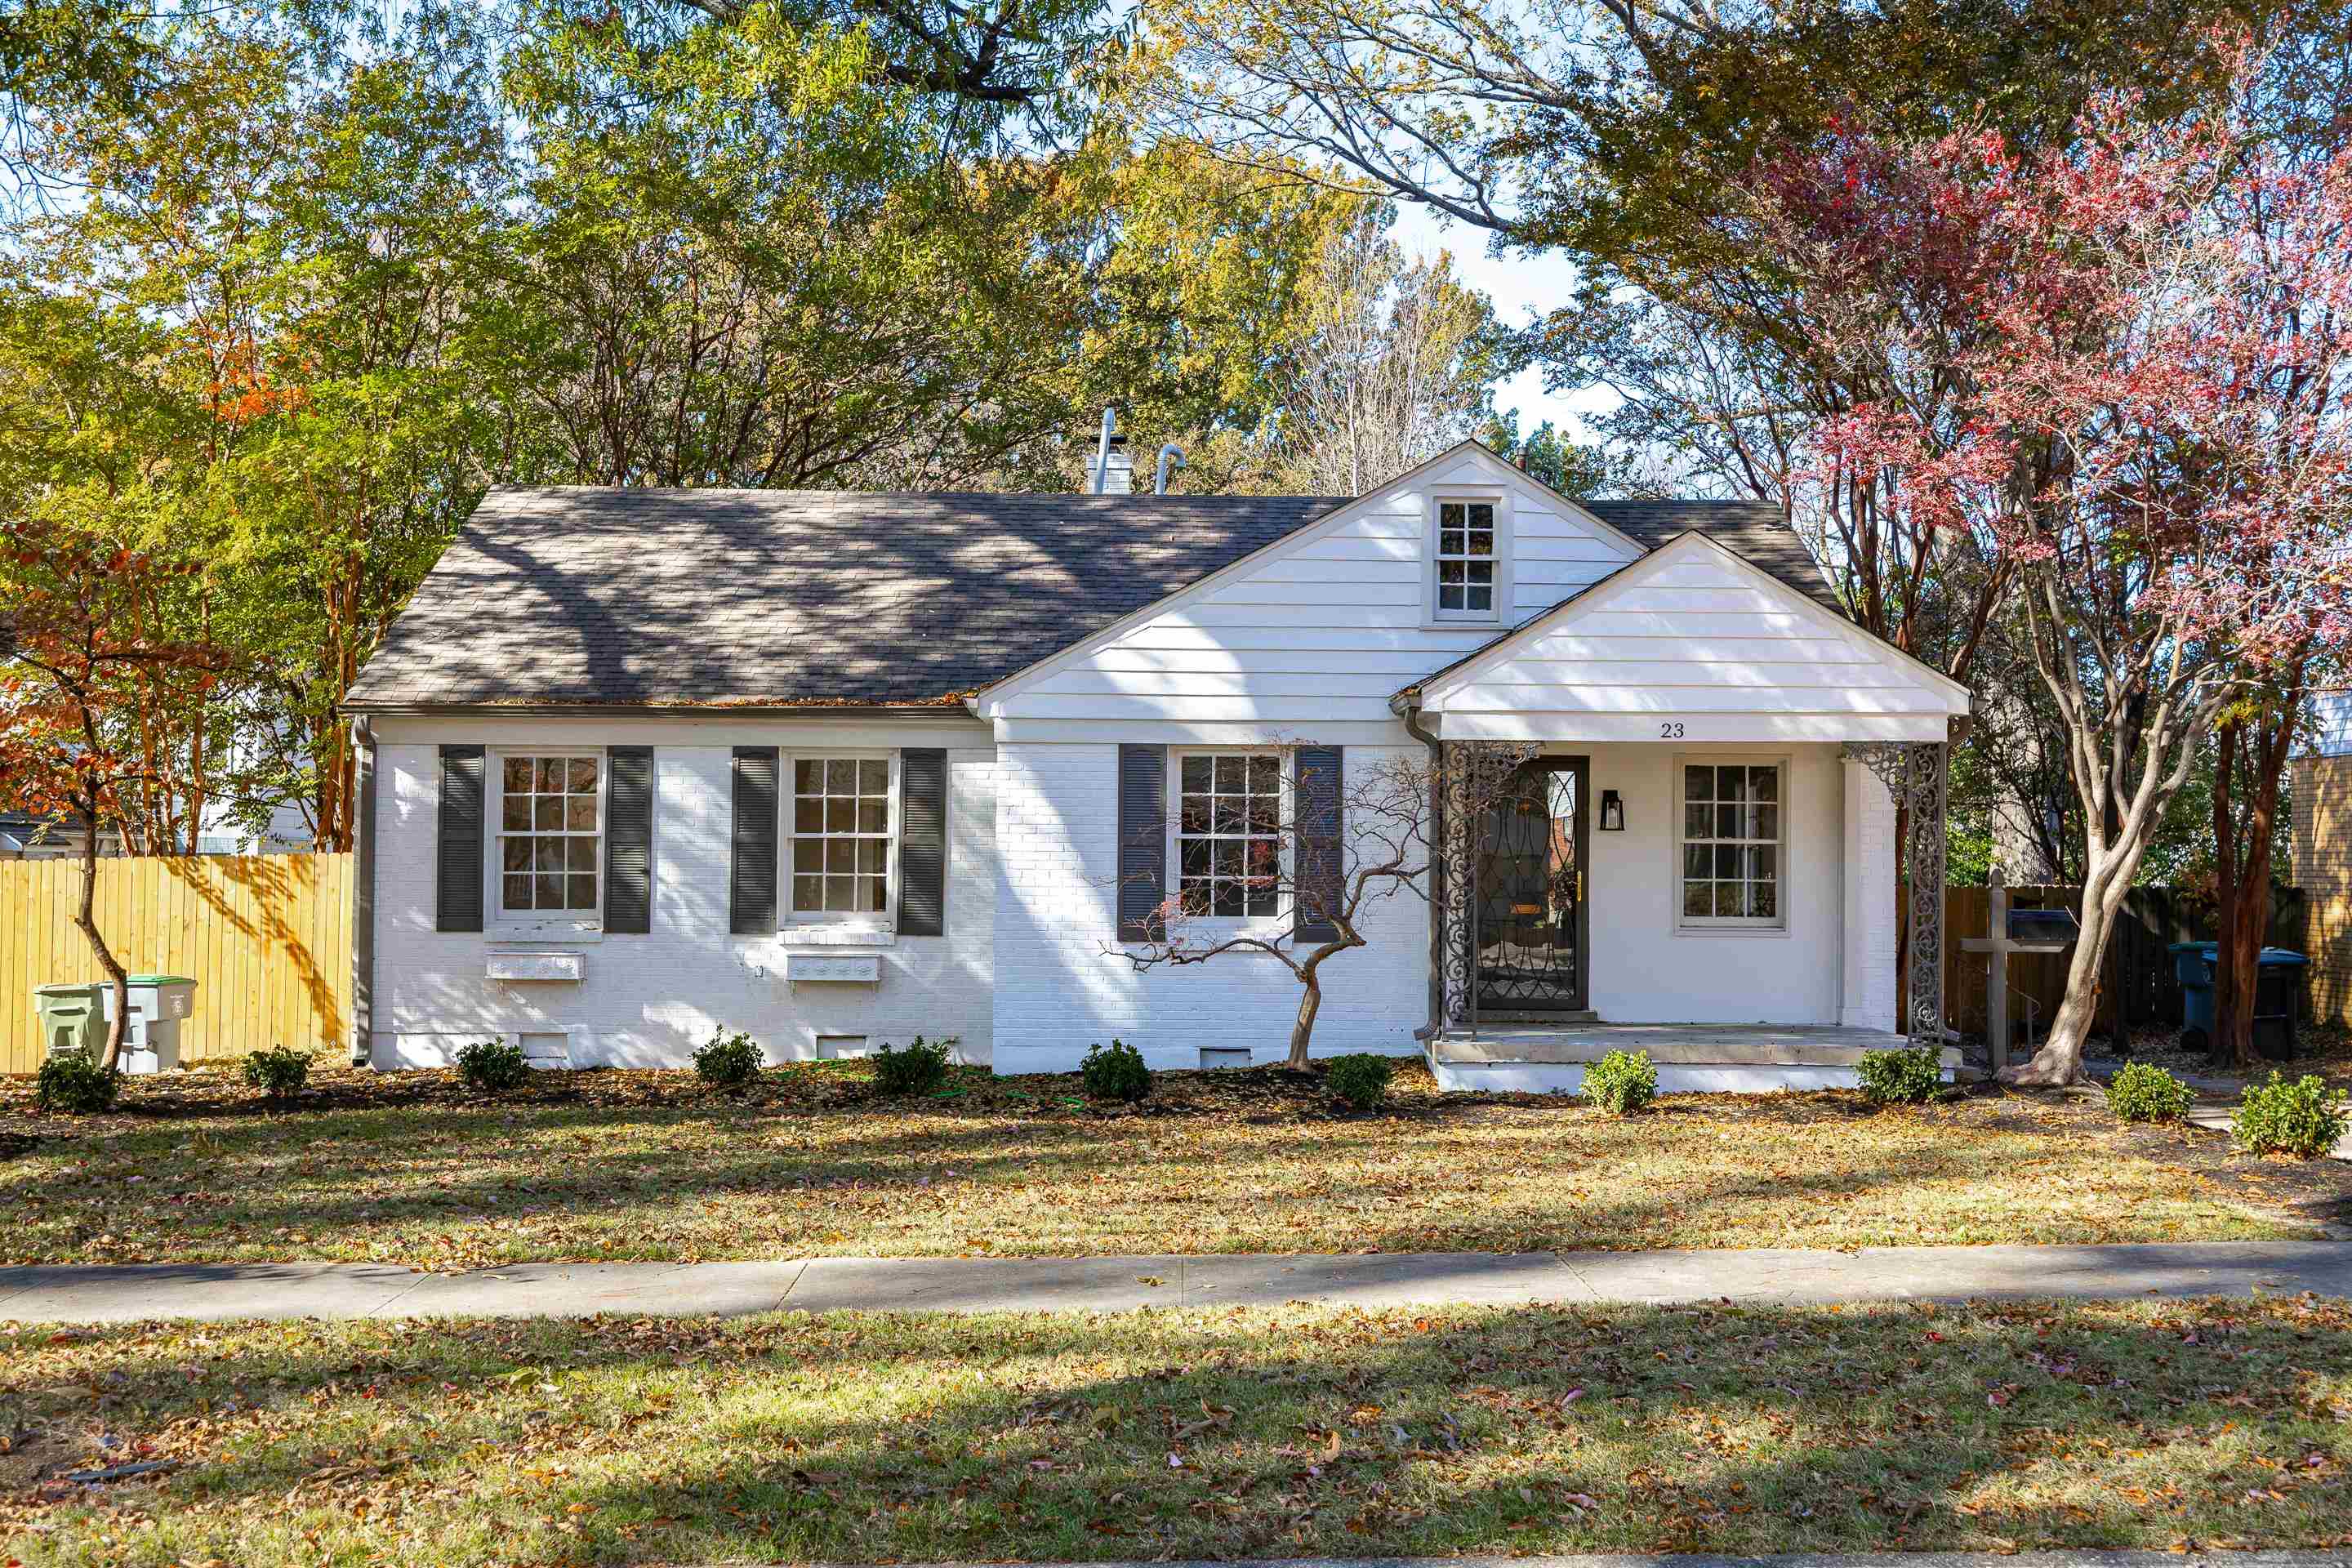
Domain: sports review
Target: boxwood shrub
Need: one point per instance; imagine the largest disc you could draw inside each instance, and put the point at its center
(1621, 1082)
(729, 1063)
(1360, 1081)
(278, 1072)
(2282, 1117)
(74, 1083)
(1115, 1072)
(492, 1066)
(1901, 1077)
(2143, 1092)
(915, 1068)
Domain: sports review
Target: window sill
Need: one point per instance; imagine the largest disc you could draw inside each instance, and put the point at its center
(1490, 628)
(824, 935)
(1681, 929)
(544, 930)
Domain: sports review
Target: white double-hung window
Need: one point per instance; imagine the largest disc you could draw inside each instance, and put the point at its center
(1228, 833)
(1732, 844)
(1467, 562)
(550, 834)
(843, 837)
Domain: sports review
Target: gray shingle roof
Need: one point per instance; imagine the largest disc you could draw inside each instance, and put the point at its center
(782, 598)
(758, 598)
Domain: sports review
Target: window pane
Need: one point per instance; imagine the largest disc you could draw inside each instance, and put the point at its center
(1196, 774)
(1449, 598)
(1763, 783)
(1726, 860)
(1452, 571)
(514, 855)
(1261, 900)
(808, 815)
(1764, 899)
(1481, 542)
(1768, 822)
(517, 813)
(1698, 783)
(840, 775)
(872, 853)
(547, 811)
(1193, 858)
(583, 893)
(579, 854)
(1228, 898)
(808, 855)
(1698, 821)
(1449, 514)
(1266, 813)
(547, 892)
(841, 855)
(808, 776)
(808, 894)
(1194, 815)
(547, 854)
(580, 813)
(515, 892)
(1731, 784)
(1728, 901)
(840, 894)
(1762, 863)
(1452, 542)
(1698, 899)
(1697, 860)
(873, 815)
(873, 776)
(517, 771)
(877, 894)
(1193, 895)
(549, 775)
(1482, 599)
(583, 775)
(1482, 573)
(1233, 774)
(1265, 776)
(1482, 514)
(1226, 857)
(840, 814)
(1229, 814)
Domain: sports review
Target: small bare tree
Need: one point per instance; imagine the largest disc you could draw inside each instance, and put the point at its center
(1322, 861)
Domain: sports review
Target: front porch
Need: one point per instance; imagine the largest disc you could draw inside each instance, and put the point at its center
(1517, 1057)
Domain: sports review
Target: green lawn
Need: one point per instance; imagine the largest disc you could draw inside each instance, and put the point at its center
(1198, 1434)
(410, 1169)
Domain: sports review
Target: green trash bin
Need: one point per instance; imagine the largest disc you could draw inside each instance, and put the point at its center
(73, 1018)
(151, 1039)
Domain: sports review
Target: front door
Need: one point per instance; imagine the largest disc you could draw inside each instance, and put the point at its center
(1530, 891)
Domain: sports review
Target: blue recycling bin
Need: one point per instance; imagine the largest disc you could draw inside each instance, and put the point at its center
(2278, 980)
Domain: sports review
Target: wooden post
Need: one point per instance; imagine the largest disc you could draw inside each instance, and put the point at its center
(1997, 983)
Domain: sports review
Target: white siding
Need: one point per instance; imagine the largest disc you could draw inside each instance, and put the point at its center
(1321, 631)
(649, 1000)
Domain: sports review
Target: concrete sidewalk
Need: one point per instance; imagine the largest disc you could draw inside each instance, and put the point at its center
(132, 1293)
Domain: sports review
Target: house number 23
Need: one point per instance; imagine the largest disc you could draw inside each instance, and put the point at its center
(1668, 730)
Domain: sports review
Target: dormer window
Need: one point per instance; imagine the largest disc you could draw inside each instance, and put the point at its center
(1468, 577)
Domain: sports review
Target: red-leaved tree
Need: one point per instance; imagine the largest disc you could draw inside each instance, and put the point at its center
(76, 658)
(2148, 421)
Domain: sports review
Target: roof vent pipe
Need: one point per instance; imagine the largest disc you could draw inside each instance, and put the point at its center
(1171, 456)
(1102, 451)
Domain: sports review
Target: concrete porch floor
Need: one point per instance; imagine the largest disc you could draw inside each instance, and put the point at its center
(1546, 1058)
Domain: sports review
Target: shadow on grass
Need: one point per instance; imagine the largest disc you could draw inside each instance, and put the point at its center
(1732, 1429)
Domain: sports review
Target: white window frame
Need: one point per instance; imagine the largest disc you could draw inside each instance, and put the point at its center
(1432, 537)
(1284, 768)
(526, 923)
(1729, 925)
(788, 835)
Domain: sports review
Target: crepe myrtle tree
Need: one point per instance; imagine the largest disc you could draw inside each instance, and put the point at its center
(2152, 424)
(1359, 841)
(82, 668)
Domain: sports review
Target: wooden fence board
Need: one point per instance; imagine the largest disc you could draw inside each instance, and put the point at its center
(267, 937)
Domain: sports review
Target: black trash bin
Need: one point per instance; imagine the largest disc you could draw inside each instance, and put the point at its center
(2278, 990)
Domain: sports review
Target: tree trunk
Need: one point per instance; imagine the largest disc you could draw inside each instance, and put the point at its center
(1310, 1001)
(85, 920)
(2060, 1060)
(2242, 867)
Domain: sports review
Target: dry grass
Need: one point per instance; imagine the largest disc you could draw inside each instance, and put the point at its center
(410, 1169)
(1188, 1434)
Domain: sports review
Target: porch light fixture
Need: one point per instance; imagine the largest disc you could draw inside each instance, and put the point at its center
(1612, 812)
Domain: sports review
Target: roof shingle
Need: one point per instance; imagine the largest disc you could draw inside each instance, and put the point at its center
(784, 598)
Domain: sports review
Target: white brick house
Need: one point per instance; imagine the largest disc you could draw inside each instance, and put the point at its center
(837, 769)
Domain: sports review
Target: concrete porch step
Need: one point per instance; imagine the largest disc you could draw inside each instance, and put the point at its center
(1690, 1057)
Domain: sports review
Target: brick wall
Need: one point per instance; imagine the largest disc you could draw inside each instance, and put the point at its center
(1060, 991)
(2322, 869)
(648, 1001)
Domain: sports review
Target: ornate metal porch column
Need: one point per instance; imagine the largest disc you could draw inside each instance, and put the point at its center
(1915, 774)
(1472, 773)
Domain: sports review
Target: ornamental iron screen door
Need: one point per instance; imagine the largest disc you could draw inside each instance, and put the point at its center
(1532, 926)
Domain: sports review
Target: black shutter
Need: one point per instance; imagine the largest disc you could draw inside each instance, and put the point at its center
(458, 863)
(629, 839)
(922, 842)
(1317, 793)
(751, 884)
(1142, 841)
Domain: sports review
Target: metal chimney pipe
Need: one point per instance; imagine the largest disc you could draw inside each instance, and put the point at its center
(1171, 456)
(1102, 451)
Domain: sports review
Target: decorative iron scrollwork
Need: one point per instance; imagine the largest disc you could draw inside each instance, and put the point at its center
(1916, 774)
(1473, 773)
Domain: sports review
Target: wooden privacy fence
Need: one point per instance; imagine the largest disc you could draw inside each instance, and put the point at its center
(266, 938)
(2139, 987)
